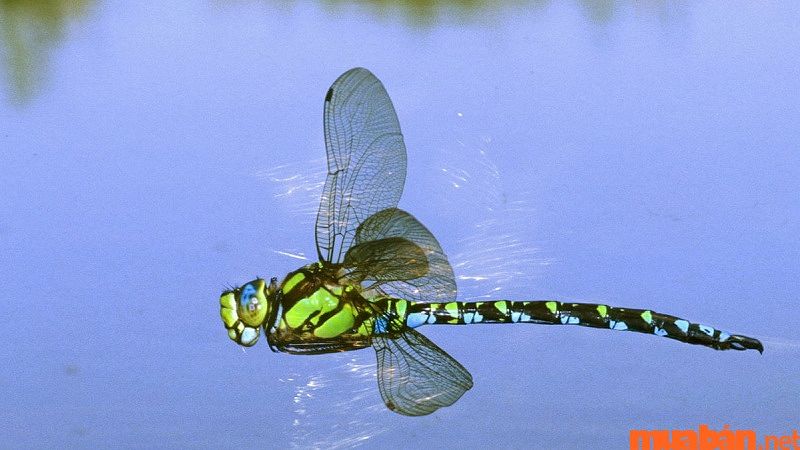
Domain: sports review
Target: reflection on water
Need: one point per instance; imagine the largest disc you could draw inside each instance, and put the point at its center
(28, 30)
(426, 12)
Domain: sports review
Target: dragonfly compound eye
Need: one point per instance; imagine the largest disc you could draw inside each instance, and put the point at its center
(243, 311)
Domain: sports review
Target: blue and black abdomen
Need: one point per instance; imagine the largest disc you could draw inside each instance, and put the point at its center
(583, 314)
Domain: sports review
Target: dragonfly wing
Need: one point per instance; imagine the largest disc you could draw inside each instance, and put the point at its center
(415, 376)
(405, 277)
(386, 259)
(366, 160)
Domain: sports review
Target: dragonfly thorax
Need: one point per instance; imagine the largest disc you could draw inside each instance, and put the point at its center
(321, 310)
(308, 279)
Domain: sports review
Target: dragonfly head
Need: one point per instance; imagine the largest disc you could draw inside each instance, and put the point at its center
(244, 309)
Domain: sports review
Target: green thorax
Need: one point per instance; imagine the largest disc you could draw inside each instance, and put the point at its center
(322, 311)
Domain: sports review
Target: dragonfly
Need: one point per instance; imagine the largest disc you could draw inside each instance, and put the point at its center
(381, 274)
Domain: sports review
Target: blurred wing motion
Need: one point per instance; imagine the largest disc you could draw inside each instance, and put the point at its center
(395, 252)
(415, 377)
(366, 160)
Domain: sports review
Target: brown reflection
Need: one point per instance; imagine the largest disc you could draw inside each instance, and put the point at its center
(599, 10)
(28, 30)
(428, 12)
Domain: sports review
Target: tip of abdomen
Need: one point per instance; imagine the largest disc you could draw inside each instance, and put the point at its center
(737, 342)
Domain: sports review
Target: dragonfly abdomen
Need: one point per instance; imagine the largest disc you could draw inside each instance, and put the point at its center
(550, 312)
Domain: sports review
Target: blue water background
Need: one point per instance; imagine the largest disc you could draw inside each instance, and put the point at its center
(640, 154)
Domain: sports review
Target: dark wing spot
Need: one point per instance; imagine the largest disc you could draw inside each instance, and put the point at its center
(329, 95)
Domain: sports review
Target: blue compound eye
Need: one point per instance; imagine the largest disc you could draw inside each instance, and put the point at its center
(252, 308)
(248, 291)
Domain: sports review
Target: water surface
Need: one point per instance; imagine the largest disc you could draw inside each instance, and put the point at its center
(640, 154)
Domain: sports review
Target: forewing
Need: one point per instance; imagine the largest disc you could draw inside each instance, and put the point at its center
(415, 376)
(366, 160)
(437, 284)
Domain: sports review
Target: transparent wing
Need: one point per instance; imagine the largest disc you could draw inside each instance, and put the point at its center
(366, 160)
(395, 252)
(387, 259)
(415, 376)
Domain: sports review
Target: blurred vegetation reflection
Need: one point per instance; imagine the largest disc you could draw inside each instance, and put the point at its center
(31, 29)
(28, 31)
(427, 12)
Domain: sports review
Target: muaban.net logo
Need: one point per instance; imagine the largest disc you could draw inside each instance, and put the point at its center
(706, 438)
